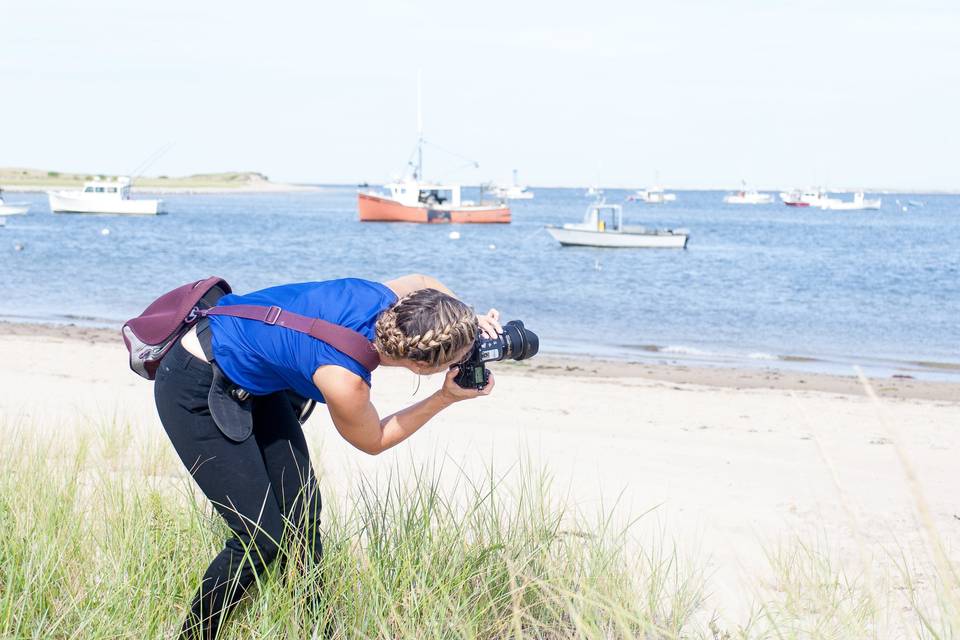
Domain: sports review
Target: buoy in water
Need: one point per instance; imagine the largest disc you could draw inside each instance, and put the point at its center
(104, 231)
(454, 235)
(492, 247)
(18, 246)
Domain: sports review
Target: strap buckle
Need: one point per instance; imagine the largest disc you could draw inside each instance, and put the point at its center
(273, 314)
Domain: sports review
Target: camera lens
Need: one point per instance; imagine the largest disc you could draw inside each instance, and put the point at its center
(519, 342)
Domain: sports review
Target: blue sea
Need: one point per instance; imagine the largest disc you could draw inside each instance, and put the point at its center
(760, 285)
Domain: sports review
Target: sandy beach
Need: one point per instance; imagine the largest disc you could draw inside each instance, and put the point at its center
(725, 462)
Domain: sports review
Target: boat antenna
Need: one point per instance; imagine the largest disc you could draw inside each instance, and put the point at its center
(470, 162)
(418, 173)
(421, 141)
(141, 168)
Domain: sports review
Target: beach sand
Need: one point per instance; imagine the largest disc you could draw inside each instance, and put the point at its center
(728, 462)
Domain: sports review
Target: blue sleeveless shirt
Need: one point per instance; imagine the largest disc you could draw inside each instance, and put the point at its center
(263, 359)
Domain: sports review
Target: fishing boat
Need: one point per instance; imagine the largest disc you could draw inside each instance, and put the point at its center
(858, 203)
(413, 199)
(805, 197)
(652, 195)
(747, 196)
(13, 208)
(603, 226)
(103, 196)
(512, 191)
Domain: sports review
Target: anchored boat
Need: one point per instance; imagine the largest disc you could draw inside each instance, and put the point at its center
(747, 196)
(512, 191)
(103, 196)
(653, 195)
(13, 208)
(804, 198)
(603, 226)
(859, 203)
(415, 201)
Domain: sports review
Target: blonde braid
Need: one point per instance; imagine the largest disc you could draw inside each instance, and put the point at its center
(426, 326)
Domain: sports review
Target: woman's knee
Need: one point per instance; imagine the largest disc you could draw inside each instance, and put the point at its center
(260, 549)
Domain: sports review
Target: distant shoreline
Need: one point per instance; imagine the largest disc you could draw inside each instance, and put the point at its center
(271, 187)
(282, 187)
(23, 180)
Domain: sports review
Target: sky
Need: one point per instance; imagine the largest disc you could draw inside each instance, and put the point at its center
(688, 93)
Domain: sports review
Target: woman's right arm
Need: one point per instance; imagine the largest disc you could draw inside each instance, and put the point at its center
(357, 420)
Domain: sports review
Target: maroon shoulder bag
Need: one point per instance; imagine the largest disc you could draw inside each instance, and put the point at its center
(153, 333)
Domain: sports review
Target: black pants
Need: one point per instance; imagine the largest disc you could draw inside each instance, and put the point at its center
(264, 487)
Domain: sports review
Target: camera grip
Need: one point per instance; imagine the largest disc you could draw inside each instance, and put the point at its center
(472, 376)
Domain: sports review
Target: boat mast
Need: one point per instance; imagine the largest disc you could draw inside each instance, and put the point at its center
(418, 174)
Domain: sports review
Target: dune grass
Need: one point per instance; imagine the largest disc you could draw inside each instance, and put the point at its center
(103, 536)
(95, 545)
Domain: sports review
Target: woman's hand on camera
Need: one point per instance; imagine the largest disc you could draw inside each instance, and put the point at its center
(490, 324)
(454, 392)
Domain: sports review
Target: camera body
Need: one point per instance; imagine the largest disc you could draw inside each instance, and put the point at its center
(516, 342)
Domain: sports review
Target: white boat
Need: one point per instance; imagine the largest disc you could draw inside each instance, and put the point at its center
(512, 191)
(805, 198)
(103, 196)
(14, 208)
(747, 196)
(17, 209)
(593, 192)
(652, 195)
(859, 203)
(602, 226)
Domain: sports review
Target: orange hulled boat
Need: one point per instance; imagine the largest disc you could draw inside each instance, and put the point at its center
(413, 201)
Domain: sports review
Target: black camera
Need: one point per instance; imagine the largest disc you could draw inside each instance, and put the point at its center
(515, 342)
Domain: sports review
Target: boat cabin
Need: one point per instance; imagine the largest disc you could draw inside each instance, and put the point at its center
(107, 188)
(420, 194)
(601, 217)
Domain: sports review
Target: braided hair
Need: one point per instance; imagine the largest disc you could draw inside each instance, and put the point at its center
(426, 326)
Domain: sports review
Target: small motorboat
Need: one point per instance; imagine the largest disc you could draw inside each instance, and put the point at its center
(13, 208)
(103, 196)
(513, 191)
(603, 226)
(804, 197)
(747, 196)
(859, 203)
(652, 195)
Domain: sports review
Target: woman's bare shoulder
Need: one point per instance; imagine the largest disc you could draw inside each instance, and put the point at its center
(332, 379)
(414, 282)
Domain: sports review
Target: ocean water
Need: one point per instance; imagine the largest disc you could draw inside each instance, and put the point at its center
(762, 285)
